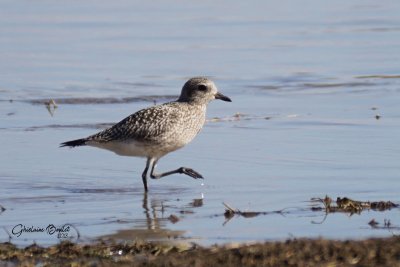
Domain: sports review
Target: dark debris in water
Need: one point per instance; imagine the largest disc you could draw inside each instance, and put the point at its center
(386, 225)
(231, 212)
(51, 106)
(173, 218)
(351, 206)
(345, 205)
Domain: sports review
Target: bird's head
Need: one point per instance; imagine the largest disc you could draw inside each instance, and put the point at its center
(201, 90)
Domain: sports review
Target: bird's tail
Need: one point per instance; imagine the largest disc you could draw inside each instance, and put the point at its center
(74, 143)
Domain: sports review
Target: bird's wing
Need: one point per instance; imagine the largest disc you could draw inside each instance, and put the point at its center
(144, 125)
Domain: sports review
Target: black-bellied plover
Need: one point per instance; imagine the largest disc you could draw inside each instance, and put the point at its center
(156, 131)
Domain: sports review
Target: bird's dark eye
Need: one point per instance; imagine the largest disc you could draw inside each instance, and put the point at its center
(202, 87)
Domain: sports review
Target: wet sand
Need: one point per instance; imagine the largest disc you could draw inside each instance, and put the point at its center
(294, 252)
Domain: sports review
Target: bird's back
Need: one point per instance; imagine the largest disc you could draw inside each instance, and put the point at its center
(168, 126)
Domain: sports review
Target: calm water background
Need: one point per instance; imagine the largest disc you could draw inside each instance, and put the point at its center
(307, 77)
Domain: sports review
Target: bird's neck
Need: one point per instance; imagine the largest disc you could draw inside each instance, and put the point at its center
(193, 102)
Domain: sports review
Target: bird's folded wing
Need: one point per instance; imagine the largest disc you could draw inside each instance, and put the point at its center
(144, 125)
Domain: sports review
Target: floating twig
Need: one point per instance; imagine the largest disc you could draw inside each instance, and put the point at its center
(231, 212)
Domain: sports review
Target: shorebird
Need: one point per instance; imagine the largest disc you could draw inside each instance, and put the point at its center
(158, 130)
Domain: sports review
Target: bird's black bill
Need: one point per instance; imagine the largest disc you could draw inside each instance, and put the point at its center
(222, 97)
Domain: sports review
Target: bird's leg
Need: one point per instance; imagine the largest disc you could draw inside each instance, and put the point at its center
(144, 174)
(183, 170)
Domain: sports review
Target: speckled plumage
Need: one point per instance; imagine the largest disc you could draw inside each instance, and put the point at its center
(155, 131)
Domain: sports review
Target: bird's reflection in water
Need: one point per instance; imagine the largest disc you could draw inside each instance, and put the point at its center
(156, 210)
(156, 205)
(158, 214)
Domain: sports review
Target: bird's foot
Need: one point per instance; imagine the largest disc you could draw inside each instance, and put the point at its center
(192, 173)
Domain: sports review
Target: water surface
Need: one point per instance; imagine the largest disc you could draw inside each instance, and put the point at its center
(315, 90)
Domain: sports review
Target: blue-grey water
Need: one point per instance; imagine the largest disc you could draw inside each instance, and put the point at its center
(315, 88)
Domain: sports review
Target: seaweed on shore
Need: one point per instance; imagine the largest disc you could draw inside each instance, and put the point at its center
(292, 252)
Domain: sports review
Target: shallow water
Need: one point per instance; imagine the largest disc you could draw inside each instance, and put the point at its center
(315, 111)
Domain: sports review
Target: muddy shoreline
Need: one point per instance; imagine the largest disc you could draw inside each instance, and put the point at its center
(293, 252)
